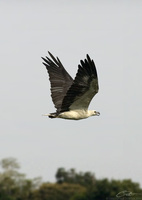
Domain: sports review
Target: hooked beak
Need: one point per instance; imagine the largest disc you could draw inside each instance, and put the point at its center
(97, 113)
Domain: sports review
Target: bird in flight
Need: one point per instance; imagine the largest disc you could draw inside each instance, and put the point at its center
(72, 97)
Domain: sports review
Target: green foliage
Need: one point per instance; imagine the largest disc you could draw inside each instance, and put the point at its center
(9, 164)
(71, 176)
(70, 185)
(79, 197)
(14, 185)
(57, 191)
(104, 189)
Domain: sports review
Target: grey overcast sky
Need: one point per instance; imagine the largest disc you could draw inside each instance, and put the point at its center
(111, 33)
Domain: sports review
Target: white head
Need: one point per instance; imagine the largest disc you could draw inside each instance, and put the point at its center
(93, 113)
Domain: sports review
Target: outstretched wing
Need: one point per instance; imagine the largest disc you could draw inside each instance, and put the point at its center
(59, 78)
(84, 87)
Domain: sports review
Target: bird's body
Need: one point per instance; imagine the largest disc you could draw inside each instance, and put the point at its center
(73, 114)
(72, 97)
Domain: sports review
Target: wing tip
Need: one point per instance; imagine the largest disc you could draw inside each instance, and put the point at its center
(50, 54)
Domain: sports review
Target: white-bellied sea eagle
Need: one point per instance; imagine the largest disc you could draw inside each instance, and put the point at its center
(72, 97)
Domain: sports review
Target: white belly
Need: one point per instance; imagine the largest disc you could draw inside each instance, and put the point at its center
(74, 114)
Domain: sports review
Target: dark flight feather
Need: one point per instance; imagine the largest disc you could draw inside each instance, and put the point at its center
(68, 94)
(59, 78)
(84, 87)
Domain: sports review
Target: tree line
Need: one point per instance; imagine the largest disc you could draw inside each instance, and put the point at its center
(69, 185)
